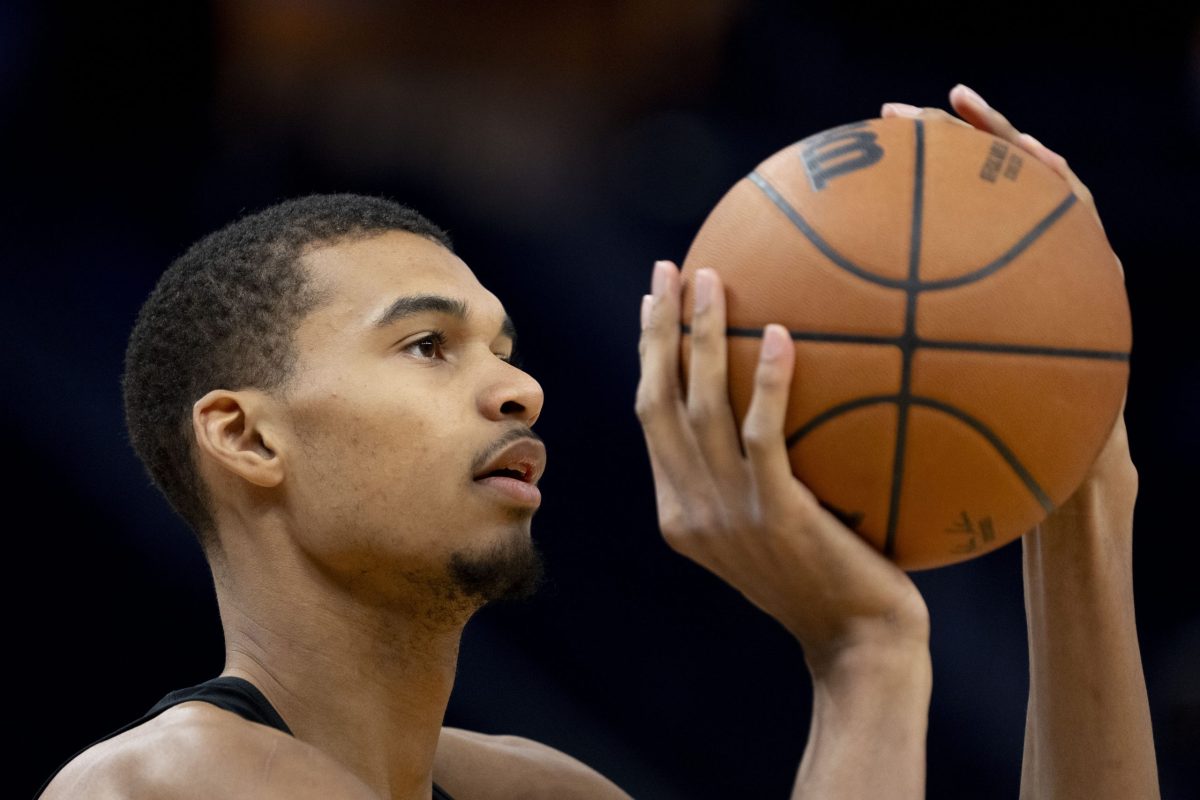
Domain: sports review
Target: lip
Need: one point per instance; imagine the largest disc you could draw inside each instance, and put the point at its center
(526, 456)
(515, 491)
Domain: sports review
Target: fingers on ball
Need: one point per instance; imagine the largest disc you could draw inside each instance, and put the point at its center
(762, 429)
(707, 378)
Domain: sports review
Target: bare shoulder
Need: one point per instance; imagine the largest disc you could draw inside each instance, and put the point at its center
(196, 750)
(477, 766)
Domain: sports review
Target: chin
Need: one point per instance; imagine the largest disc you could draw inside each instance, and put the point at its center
(511, 569)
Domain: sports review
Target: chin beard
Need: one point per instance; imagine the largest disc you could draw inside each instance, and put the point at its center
(510, 571)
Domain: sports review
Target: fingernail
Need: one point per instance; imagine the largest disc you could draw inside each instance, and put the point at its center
(901, 109)
(972, 95)
(658, 285)
(704, 289)
(774, 339)
(647, 304)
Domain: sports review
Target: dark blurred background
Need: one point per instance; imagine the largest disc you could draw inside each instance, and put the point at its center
(565, 146)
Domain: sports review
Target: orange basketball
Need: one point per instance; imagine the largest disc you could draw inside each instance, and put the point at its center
(961, 326)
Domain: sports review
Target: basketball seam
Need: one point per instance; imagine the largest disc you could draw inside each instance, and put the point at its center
(845, 264)
(933, 344)
(1009, 256)
(809, 233)
(906, 342)
(983, 430)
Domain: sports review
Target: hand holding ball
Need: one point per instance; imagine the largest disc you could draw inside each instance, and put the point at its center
(961, 325)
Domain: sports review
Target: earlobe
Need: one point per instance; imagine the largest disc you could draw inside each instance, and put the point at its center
(233, 429)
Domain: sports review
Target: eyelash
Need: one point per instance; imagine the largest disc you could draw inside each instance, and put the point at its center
(438, 338)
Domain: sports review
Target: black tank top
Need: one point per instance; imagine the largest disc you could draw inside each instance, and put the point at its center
(232, 694)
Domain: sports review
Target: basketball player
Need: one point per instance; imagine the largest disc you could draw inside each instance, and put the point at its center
(323, 390)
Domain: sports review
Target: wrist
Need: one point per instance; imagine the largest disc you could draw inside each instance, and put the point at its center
(1107, 494)
(1081, 556)
(1096, 521)
(870, 645)
(1099, 497)
(872, 667)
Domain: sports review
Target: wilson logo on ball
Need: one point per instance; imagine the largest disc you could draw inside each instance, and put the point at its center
(839, 151)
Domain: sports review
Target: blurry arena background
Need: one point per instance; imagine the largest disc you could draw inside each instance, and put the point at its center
(565, 146)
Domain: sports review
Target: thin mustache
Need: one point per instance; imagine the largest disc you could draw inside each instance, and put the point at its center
(504, 441)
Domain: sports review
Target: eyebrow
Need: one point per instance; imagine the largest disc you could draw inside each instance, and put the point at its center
(411, 305)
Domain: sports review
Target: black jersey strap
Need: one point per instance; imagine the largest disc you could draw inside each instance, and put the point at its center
(232, 694)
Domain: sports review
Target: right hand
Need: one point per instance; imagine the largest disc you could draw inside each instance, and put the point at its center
(745, 517)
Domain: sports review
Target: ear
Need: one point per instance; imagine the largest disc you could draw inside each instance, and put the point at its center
(236, 430)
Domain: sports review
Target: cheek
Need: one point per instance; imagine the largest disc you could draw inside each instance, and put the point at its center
(377, 467)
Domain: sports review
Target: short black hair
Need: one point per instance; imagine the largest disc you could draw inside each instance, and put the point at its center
(224, 316)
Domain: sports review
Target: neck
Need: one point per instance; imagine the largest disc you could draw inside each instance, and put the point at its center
(367, 684)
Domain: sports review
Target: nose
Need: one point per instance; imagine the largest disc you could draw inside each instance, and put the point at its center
(512, 395)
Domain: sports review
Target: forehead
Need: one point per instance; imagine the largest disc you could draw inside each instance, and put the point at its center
(362, 275)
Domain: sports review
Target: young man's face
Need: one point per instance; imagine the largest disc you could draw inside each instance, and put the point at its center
(390, 425)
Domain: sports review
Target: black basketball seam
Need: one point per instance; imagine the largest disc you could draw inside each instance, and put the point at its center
(836, 411)
(840, 261)
(933, 344)
(809, 336)
(1008, 455)
(906, 343)
(1025, 350)
(1008, 257)
(837, 258)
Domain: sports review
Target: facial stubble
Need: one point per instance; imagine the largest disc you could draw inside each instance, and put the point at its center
(510, 570)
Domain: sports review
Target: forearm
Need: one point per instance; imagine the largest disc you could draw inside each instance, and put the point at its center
(867, 739)
(1088, 731)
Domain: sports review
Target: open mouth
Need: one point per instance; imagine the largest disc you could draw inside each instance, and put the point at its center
(522, 460)
(523, 474)
(513, 472)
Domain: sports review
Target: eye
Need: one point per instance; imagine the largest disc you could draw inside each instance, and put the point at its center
(429, 346)
(512, 358)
